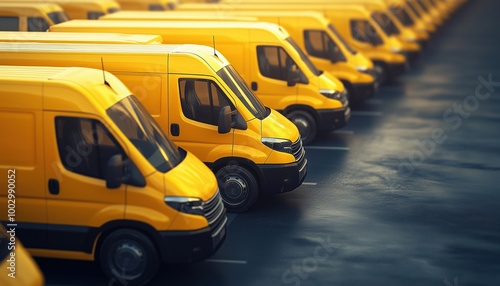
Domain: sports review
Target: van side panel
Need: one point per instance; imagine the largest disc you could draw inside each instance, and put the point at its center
(22, 156)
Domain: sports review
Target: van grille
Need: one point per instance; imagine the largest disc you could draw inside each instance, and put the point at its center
(214, 211)
(299, 153)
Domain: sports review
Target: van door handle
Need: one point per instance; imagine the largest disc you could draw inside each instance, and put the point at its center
(175, 129)
(254, 86)
(54, 186)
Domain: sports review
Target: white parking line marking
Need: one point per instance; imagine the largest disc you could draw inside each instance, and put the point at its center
(347, 132)
(226, 261)
(309, 184)
(327, 148)
(366, 113)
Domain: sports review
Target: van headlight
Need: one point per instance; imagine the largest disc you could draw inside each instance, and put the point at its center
(411, 39)
(361, 68)
(277, 144)
(185, 204)
(331, 93)
(395, 49)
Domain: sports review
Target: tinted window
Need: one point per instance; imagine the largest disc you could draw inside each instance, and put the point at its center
(156, 7)
(402, 16)
(136, 123)
(238, 86)
(304, 57)
(318, 44)
(341, 39)
(385, 23)
(58, 17)
(85, 146)
(363, 31)
(274, 62)
(414, 9)
(94, 15)
(113, 10)
(37, 24)
(8, 23)
(202, 100)
(422, 4)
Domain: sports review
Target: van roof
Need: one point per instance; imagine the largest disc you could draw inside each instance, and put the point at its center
(88, 79)
(77, 25)
(175, 15)
(205, 52)
(278, 15)
(31, 5)
(160, 24)
(7, 36)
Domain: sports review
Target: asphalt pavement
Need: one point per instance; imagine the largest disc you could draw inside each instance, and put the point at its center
(408, 193)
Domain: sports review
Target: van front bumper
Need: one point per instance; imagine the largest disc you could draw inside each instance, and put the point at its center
(191, 246)
(361, 92)
(332, 119)
(282, 178)
(396, 69)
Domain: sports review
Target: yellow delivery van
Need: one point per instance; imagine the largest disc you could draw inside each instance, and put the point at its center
(96, 179)
(202, 103)
(151, 5)
(29, 16)
(16, 265)
(385, 52)
(265, 55)
(96, 38)
(79, 9)
(336, 57)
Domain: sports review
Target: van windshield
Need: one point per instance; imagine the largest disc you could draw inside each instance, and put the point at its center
(58, 17)
(238, 86)
(414, 9)
(386, 23)
(402, 16)
(341, 39)
(304, 57)
(424, 7)
(141, 129)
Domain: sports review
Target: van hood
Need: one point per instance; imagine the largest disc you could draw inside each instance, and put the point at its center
(191, 178)
(361, 60)
(276, 125)
(327, 81)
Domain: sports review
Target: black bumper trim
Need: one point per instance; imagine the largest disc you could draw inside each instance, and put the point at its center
(282, 178)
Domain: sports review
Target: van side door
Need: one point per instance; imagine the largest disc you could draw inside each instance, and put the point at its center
(195, 103)
(78, 148)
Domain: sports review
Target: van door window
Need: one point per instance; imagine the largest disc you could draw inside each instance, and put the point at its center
(85, 146)
(37, 24)
(94, 15)
(319, 44)
(202, 100)
(58, 17)
(274, 62)
(9, 23)
(363, 31)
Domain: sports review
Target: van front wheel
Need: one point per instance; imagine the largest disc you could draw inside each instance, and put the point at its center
(305, 123)
(129, 257)
(238, 188)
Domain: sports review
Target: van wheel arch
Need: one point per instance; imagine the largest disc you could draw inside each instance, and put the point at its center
(141, 227)
(307, 113)
(253, 176)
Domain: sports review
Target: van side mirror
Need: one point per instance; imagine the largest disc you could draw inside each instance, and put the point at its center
(229, 119)
(114, 172)
(225, 120)
(292, 75)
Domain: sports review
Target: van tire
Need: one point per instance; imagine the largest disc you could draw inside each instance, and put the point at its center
(238, 188)
(129, 248)
(306, 124)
